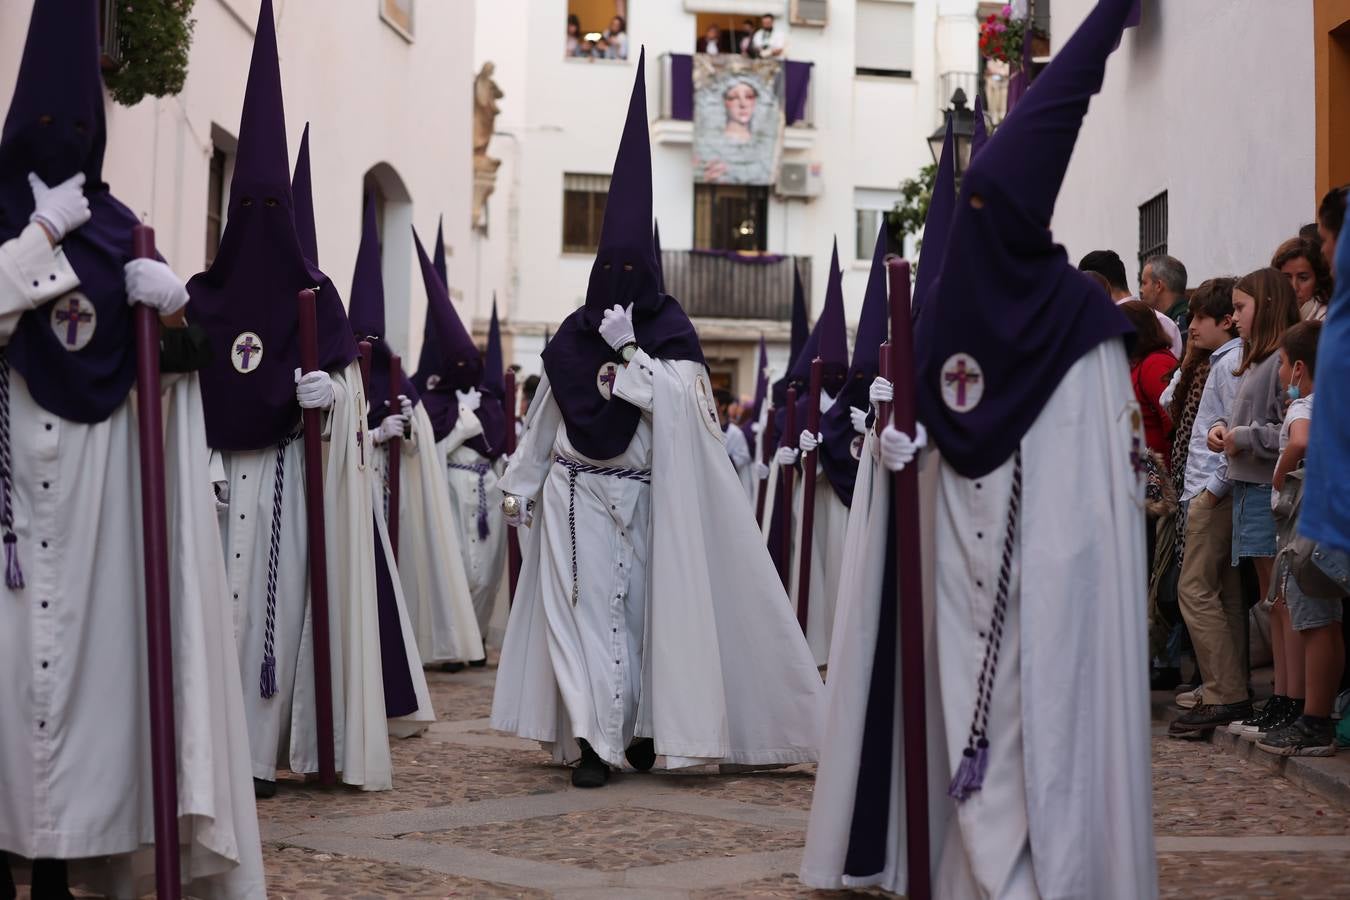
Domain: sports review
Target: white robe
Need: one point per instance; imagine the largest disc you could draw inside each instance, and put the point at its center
(1065, 809)
(684, 554)
(738, 448)
(282, 727)
(75, 778)
(484, 559)
(431, 566)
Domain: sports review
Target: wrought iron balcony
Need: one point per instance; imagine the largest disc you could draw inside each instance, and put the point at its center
(725, 285)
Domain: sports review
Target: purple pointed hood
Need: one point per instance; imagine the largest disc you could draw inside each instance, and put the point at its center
(761, 390)
(1010, 314)
(366, 314)
(980, 136)
(77, 352)
(450, 360)
(492, 404)
(938, 223)
(438, 253)
(247, 299)
(656, 248)
(842, 445)
(801, 330)
(625, 273)
(829, 341)
(302, 193)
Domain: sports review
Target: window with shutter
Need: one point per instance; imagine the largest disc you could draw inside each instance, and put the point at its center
(884, 38)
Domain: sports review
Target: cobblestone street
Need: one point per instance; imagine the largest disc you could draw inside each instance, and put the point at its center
(478, 814)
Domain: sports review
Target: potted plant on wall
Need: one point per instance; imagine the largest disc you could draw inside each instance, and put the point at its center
(145, 47)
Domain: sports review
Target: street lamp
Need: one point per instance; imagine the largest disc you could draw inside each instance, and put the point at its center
(963, 128)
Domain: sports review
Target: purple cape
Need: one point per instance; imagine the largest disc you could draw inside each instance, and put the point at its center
(251, 286)
(55, 127)
(626, 273)
(836, 426)
(492, 403)
(449, 360)
(1009, 314)
(366, 313)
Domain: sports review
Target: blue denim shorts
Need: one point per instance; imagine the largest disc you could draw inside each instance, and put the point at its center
(1309, 612)
(1253, 522)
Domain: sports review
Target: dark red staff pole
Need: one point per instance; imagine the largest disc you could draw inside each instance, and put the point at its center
(509, 445)
(158, 623)
(395, 450)
(318, 549)
(909, 592)
(808, 499)
(766, 441)
(785, 501)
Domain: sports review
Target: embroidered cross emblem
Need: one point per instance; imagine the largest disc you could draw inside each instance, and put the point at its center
(73, 315)
(962, 382)
(604, 379)
(246, 352)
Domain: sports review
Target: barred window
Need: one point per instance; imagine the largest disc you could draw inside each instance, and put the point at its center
(583, 211)
(1153, 229)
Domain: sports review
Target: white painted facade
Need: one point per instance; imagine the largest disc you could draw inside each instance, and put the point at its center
(373, 95)
(564, 116)
(1211, 101)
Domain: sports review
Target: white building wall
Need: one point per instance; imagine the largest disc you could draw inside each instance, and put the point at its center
(371, 96)
(1210, 100)
(563, 115)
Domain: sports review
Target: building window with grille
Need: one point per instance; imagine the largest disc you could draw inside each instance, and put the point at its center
(215, 203)
(583, 211)
(1153, 229)
(731, 217)
(883, 41)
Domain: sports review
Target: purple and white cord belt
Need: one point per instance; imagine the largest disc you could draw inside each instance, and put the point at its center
(13, 574)
(576, 467)
(969, 776)
(267, 681)
(480, 469)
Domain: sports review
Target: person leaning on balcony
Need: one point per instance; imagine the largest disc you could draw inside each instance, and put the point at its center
(768, 42)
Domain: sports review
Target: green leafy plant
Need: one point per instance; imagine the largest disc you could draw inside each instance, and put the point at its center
(153, 38)
(907, 216)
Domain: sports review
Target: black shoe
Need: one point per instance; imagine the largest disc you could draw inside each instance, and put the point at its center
(641, 754)
(591, 772)
(264, 790)
(1273, 710)
(1206, 717)
(452, 667)
(1164, 679)
(7, 889)
(1306, 736)
(478, 663)
(50, 880)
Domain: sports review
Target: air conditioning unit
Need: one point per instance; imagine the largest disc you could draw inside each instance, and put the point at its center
(799, 179)
(808, 12)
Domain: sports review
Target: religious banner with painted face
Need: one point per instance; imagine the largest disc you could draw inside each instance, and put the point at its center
(738, 119)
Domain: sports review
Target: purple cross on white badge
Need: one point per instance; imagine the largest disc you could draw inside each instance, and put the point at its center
(73, 321)
(246, 352)
(604, 379)
(962, 382)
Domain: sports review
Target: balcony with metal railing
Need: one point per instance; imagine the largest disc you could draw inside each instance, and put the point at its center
(726, 285)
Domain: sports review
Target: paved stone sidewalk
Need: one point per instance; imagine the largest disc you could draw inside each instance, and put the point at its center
(478, 814)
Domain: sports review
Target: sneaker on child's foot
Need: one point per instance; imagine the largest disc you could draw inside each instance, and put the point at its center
(1192, 698)
(1287, 714)
(1207, 717)
(1273, 708)
(1305, 737)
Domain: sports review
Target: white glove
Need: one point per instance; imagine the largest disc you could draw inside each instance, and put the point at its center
(315, 390)
(761, 471)
(617, 326)
(785, 456)
(469, 400)
(806, 441)
(59, 209)
(524, 510)
(390, 427)
(859, 419)
(153, 283)
(881, 391)
(898, 449)
(405, 406)
(756, 427)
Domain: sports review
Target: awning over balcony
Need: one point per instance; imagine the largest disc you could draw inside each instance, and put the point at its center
(728, 285)
(678, 91)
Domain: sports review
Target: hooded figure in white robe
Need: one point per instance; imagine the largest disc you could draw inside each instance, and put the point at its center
(1038, 598)
(642, 556)
(75, 759)
(253, 395)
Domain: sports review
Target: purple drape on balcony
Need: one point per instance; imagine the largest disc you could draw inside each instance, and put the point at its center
(797, 78)
(682, 87)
